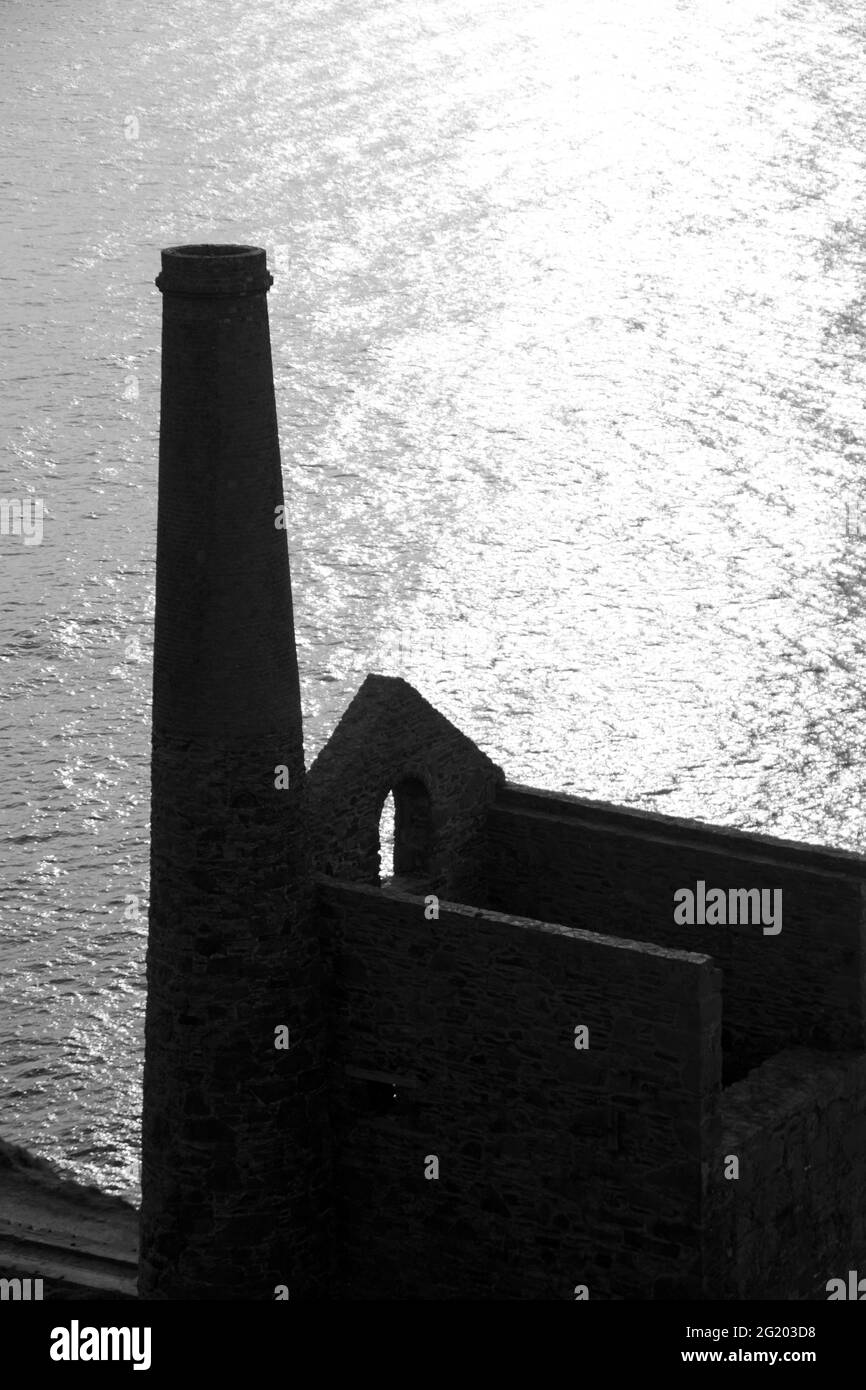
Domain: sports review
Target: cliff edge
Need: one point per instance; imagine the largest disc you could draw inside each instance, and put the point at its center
(81, 1242)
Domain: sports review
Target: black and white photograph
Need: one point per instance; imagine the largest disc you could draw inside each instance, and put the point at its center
(432, 654)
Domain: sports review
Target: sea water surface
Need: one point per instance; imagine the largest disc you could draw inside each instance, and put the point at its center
(568, 342)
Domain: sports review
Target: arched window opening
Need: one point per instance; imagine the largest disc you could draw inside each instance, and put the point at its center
(406, 835)
(413, 829)
(386, 840)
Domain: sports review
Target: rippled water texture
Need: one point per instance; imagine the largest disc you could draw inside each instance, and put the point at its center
(567, 334)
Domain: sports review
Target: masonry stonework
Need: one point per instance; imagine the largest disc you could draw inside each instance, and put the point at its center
(795, 1217)
(587, 864)
(390, 733)
(444, 1019)
(558, 1166)
(235, 1186)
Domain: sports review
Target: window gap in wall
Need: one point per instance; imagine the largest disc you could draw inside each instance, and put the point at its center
(386, 840)
(406, 837)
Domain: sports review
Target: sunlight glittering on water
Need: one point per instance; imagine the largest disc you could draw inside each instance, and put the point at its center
(568, 344)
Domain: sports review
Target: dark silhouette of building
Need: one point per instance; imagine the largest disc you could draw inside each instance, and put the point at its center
(235, 1184)
(511, 1072)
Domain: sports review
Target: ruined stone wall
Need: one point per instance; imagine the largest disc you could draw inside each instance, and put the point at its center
(795, 1217)
(389, 732)
(616, 871)
(558, 1167)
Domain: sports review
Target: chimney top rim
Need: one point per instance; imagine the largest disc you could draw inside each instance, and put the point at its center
(206, 270)
(207, 250)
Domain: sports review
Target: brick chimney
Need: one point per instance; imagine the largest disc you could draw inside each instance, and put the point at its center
(235, 1198)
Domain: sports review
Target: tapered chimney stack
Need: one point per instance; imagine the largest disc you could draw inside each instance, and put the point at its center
(234, 1164)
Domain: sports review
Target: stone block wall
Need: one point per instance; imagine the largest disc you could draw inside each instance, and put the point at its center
(558, 1167)
(387, 734)
(612, 870)
(795, 1217)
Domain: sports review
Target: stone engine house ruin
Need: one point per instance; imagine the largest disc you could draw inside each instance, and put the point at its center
(517, 1002)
